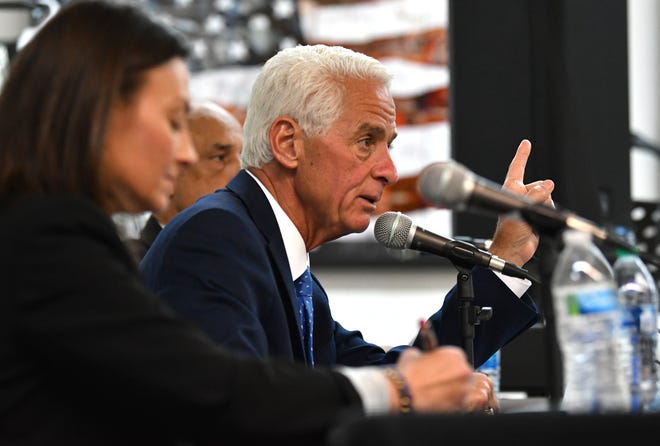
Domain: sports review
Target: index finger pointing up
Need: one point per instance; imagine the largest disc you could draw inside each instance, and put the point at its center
(516, 170)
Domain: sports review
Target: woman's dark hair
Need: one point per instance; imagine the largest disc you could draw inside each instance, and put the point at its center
(56, 100)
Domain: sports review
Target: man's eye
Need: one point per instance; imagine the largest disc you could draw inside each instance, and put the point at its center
(367, 142)
(176, 124)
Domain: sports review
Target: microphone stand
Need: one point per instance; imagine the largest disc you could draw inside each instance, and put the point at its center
(470, 315)
(549, 249)
(550, 231)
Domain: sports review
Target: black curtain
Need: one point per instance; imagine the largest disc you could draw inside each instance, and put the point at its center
(552, 71)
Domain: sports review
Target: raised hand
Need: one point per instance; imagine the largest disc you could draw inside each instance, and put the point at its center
(515, 240)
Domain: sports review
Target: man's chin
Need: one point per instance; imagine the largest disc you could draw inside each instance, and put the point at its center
(360, 227)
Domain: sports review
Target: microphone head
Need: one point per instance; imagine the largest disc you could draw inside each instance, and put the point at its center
(392, 229)
(446, 184)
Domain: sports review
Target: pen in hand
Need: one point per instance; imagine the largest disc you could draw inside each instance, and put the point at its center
(429, 340)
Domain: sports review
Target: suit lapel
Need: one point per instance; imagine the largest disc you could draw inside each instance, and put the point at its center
(250, 193)
(150, 230)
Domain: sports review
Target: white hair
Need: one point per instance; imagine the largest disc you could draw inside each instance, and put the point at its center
(305, 83)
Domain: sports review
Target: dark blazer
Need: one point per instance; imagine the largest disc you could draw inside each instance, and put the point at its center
(139, 246)
(89, 356)
(221, 263)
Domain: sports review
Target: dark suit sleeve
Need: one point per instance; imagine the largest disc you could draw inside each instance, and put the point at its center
(76, 308)
(335, 344)
(511, 316)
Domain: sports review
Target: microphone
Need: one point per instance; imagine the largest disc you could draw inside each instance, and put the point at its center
(396, 230)
(450, 185)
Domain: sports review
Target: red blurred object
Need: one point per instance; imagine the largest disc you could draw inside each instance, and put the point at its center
(402, 196)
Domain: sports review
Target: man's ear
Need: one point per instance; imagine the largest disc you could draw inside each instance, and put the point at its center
(286, 141)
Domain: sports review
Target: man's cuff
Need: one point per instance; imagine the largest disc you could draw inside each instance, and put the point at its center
(372, 386)
(516, 285)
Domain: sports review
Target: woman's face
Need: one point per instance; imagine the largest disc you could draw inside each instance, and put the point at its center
(148, 142)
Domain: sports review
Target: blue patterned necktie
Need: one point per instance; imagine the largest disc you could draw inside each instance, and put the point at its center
(306, 311)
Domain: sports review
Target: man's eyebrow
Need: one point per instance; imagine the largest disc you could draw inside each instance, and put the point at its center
(221, 147)
(375, 130)
(372, 129)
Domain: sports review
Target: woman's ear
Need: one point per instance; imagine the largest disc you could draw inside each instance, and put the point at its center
(286, 141)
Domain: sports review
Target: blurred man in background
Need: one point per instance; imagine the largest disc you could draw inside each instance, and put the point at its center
(217, 136)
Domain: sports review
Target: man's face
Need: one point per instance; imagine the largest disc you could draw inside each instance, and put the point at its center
(344, 171)
(218, 142)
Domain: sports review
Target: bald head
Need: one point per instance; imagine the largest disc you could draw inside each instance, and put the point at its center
(217, 136)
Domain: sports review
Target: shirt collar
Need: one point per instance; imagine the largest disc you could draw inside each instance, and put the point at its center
(294, 244)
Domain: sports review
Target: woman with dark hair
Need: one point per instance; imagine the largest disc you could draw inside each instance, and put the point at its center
(93, 122)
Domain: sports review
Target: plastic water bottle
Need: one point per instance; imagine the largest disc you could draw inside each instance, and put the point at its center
(492, 368)
(589, 329)
(638, 296)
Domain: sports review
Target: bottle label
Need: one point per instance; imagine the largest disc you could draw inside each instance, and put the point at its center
(492, 363)
(491, 368)
(596, 301)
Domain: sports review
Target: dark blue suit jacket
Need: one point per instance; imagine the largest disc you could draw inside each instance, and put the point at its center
(222, 264)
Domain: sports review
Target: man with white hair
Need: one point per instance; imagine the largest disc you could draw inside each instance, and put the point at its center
(316, 158)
